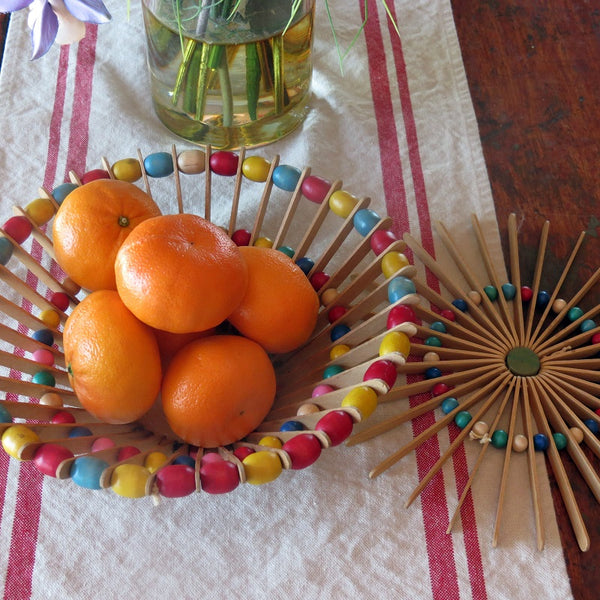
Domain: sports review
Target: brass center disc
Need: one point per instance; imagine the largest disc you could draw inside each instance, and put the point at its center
(523, 361)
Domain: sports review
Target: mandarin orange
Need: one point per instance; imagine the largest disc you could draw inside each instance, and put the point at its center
(218, 389)
(170, 343)
(112, 359)
(279, 309)
(92, 223)
(180, 273)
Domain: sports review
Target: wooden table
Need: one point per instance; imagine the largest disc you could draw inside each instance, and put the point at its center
(533, 72)
(534, 77)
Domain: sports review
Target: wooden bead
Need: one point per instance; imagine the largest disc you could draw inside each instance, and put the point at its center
(475, 296)
(159, 164)
(127, 169)
(558, 305)
(315, 188)
(52, 399)
(520, 443)
(577, 434)
(16, 437)
(191, 162)
(224, 163)
(40, 210)
(364, 398)
(176, 481)
(392, 262)
(129, 481)
(286, 177)
(219, 476)
(256, 168)
(342, 203)
(329, 296)
(303, 450)
(154, 461)
(431, 357)
(480, 429)
(262, 467)
(308, 408)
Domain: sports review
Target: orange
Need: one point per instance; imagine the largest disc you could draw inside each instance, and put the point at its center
(218, 389)
(112, 359)
(279, 309)
(180, 273)
(92, 223)
(170, 343)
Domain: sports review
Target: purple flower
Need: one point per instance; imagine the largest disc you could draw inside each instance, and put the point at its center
(60, 21)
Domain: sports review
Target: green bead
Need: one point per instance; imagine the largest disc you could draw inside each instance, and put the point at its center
(560, 441)
(433, 341)
(574, 313)
(463, 418)
(491, 292)
(332, 370)
(44, 378)
(499, 438)
(287, 251)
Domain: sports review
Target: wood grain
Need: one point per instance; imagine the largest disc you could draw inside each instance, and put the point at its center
(533, 73)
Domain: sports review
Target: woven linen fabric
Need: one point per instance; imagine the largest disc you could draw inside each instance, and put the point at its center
(397, 125)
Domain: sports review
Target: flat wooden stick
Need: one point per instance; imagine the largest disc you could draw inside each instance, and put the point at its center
(571, 389)
(207, 182)
(559, 341)
(177, 180)
(237, 188)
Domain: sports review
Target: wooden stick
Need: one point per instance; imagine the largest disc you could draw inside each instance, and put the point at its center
(207, 182)
(572, 389)
(31, 367)
(515, 276)
(235, 201)
(18, 340)
(558, 340)
(144, 174)
(177, 180)
(264, 203)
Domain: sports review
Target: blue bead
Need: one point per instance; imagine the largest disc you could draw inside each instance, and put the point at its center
(60, 192)
(460, 304)
(433, 341)
(4, 415)
(305, 264)
(592, 425)
(159, 164)
(292, 426)
(438, 326)
(540, 442)
(432, 373)
(185, 459)
(449, 404)
(509, 291)
(364, 220)
(332, 370)
(338, 331)
(560, 441)
(587, 325)
(86, 471)
(286, 177)
(6, 250)
(44, 336)
(491, 292)
(79, 432)
(463, 418)
(287, 251)
(398, 287)
(542, 299)
(574, 313)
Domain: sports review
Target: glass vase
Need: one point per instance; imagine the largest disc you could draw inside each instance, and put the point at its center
(230, 73)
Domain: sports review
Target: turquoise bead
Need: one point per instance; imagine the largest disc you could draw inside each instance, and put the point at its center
(86, 471)
(491, 292)
(286, 177)
(287, 251)
(463, 418)
(6, 250)
(587, 325)
(399, 287)
(4, 415)
(574, 313)
(159, 164)
(364, 220)
(560, 440)
(509, 291)
(433, 341)
(449, 404)
(438, 326)
(332, 370)
(60, 192)
(44, 378)
(499, 438)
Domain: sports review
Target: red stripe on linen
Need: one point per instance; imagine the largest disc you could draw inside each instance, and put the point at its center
(442, 566)
(459, 458)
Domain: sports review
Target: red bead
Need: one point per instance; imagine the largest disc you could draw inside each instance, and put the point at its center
(60, 300)
(596, 338)
(336, 312)
(219, 477)
(224, 163)
(242, 452)
(382, 369)
(303, 450)
(380, 240)
(176, 481)
(127, 452)
(62, 416)
(337, 425)
(94, 174)
(318, 280)
(526, 293)
(19, 228)
(448, 314)
(48, 457)
(241, 237)
(402, 313)
(440, 388)
(315, 188)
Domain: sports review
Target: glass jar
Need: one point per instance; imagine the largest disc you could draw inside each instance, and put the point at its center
(230, 73)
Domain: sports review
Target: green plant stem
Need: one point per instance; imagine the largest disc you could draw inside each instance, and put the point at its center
(278, 82)
(226, 94)
(253, 73)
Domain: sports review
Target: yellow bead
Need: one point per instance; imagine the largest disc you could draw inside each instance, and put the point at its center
(364, 398)
(52, 399)
(127, 169)
(271, 441)
(40, 210)
(395, 341)
(256, 168)
(154, 461)
(263, 242)
(342, 203)
(50, 318)
(328, 296)
(262, 467)
(16, 437)
(129, 481)
(338, 350)
(392, 262)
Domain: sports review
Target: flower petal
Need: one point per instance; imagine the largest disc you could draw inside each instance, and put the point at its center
(7, 6)
(70, 29)
(43, 32)
(89, 11)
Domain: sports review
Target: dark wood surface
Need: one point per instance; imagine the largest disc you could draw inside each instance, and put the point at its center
(534, 75)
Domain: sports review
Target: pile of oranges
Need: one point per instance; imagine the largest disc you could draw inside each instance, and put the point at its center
(176, 313)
